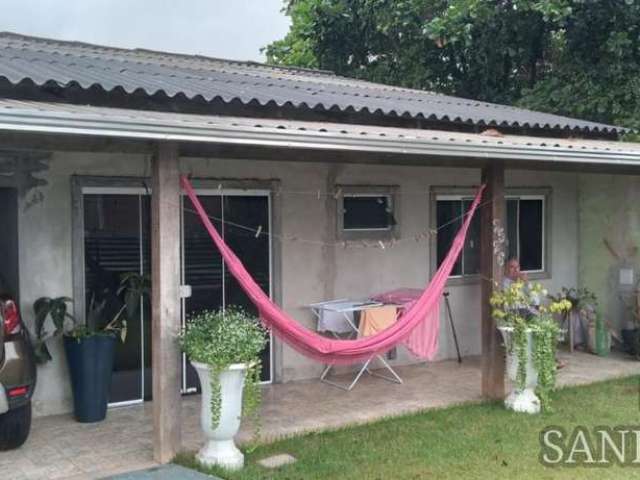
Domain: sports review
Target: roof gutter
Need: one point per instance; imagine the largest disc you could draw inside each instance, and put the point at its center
(54, 122)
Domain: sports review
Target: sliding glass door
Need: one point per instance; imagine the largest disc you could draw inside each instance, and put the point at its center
(117, 241)
(244, 216)
(237, 216)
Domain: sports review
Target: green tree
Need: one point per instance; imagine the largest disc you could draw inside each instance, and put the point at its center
(571, 57)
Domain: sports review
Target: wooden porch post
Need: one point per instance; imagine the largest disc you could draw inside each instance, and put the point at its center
(492, 259)
(165, 281)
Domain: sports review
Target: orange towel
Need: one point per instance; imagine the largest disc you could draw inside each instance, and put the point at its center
(376, 319)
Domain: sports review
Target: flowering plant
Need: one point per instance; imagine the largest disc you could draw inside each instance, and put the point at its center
(520, 308)
(581, 298)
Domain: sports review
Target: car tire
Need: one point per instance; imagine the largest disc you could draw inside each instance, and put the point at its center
(14, 427)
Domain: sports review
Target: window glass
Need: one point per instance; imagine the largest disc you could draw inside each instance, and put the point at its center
(471, 252)
(524, 231)
(530, 234)
(367, 212)
(254, 252)
(113, 246)
(448, 220)
(512, 228)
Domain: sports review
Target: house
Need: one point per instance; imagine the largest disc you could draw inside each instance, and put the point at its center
(350, 179)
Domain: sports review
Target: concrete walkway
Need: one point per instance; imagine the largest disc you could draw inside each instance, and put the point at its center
(59, 447)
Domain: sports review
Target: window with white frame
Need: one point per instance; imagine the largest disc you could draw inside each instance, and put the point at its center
(525, 232)
(366, 212)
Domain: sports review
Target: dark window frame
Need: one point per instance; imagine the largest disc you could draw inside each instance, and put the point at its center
(467, 193)
(392, 231)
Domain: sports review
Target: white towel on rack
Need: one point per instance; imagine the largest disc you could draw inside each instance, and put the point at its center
(336, 322)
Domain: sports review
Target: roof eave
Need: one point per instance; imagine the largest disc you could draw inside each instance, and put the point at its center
(43, 122)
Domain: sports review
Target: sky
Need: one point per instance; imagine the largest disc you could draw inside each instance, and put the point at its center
(234, 29)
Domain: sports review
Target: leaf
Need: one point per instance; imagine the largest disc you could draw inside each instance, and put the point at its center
(566, 57)
(58, 312)
(41, 309)
(95, 312)
(123, 332)
(41, 352)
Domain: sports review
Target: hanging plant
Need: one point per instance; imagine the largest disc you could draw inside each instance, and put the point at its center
(222, 338)
(520, 307)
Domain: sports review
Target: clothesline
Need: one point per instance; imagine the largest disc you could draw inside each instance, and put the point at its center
(258, 231)
(340, 191)
(318, 193)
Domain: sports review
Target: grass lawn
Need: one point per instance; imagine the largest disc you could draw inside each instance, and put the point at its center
(461, 442)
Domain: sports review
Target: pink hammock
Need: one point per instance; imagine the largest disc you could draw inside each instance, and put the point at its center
(417, 328)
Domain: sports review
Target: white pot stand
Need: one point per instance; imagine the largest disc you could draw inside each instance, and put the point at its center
(521, 400)
(220, 448)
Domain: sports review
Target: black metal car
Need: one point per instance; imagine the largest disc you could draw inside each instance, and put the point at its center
(17, 376)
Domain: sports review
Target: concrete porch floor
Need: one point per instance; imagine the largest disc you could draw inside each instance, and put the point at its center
(59, 447)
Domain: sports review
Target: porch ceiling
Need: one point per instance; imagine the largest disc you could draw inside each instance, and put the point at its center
(246, 137)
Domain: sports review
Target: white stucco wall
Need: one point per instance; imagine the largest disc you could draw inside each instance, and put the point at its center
(309, 273)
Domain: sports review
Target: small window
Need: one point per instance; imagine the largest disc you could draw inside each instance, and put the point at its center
(525, 232)
(367, 212)
(449, 215)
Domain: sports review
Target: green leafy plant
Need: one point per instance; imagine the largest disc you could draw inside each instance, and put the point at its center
(578, 58)
(219, 339)
(56, 309)
(99, 320)
(580, 298)
(584, 303)
(133, 287)
(519, 307)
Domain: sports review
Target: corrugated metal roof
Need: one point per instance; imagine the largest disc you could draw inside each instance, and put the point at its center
(64, 63)
(57, 118)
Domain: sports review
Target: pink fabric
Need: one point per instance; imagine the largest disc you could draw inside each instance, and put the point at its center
(407, 298)
(418, 327)
(399, 295)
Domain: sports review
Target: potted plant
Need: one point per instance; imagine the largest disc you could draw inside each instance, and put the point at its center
(224, 348)
(530, 335)
(90, 345)
(582, 314)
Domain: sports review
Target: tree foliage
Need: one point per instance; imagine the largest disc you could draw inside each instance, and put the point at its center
(571, 57)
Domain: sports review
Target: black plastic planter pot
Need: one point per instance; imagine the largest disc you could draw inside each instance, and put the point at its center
(90, 362)
(631, 341)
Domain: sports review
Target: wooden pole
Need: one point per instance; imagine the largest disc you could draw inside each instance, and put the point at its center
(492, 260)
(165, 281)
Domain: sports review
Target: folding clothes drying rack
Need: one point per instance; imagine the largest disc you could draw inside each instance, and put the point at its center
(347, 308)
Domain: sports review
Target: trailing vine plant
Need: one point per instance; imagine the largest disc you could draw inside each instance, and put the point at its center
(520, 307)
(219, 339)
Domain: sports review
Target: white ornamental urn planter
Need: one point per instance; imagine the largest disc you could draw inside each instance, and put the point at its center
(220, 448)
(518, 400)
